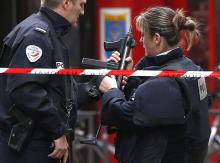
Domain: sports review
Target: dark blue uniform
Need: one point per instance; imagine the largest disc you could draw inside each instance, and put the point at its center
(160, 119)
(37, 42)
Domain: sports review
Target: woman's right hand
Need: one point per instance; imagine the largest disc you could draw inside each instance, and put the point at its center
(115, 57)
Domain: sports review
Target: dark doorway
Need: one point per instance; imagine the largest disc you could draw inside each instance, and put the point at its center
(81, 40)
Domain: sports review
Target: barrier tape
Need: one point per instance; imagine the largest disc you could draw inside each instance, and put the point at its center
(45, 71)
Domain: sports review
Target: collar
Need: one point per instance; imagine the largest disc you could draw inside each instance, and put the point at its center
(163, 58)
(61, 25)
(166, 52)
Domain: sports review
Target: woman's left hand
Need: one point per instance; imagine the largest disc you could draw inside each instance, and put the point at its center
(107, 84)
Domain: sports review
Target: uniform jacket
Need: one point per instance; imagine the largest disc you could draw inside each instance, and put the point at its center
(155, 115)
(37, 43)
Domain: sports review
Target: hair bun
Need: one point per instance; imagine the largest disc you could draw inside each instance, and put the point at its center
(182, 22)
(189, 24)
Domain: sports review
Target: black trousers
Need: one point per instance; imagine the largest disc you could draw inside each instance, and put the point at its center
(196, 152)
(36, 153)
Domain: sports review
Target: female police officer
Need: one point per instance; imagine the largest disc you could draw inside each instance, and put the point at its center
(159, 119)
(50, 101)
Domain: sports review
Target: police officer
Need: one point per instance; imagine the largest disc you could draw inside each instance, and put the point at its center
(159, 119)
(50, 101)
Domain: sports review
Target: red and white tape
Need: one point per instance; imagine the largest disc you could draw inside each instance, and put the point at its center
(45, 71)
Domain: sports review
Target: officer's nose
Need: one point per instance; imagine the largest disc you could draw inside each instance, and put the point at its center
(82, 8)
(82, 12)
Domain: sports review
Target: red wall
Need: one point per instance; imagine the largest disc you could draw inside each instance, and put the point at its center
(212, 84)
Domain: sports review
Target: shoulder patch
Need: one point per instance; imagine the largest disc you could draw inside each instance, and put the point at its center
(202, 88)
(33, 53)
(40, 30)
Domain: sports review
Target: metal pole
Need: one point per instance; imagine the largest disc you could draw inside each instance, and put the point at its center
(91, 130)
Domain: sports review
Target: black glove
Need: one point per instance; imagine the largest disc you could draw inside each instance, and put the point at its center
(93, 86)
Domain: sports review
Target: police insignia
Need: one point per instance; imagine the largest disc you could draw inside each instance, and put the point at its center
(33, 53)
(202, 88)
(59, 65)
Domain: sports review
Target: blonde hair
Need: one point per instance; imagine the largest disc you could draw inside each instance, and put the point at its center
(168, 23)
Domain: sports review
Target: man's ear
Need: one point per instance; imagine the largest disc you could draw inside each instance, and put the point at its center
(65, 3)
(157, 38)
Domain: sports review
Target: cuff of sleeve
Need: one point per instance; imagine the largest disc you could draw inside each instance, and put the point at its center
(60, 131)
(112, 93)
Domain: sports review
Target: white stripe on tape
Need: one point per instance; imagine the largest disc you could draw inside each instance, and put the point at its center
(146, 73)
(197, 73)
(44, 71)
(95, 72)
(3, 70)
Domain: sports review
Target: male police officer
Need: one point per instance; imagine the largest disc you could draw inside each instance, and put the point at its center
(37, 42)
